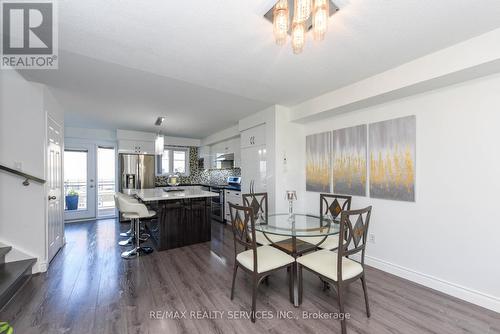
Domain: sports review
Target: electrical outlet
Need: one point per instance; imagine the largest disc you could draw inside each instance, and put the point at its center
(371, 238)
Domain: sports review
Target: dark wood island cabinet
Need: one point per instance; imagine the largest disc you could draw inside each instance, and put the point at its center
(183, 217)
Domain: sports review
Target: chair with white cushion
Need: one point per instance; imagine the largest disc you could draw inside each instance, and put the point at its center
(130, 232)
(258, 203)
(260, 261)
(335, 267)
(331, 206)
(135, 211)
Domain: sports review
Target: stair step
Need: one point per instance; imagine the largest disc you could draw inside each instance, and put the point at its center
(4, 249)
(13, 275)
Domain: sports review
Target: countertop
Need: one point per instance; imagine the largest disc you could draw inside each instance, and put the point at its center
(158, 194)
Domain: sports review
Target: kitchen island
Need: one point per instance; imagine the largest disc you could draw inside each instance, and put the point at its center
(183, 216)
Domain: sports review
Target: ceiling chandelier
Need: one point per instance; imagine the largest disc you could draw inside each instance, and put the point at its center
(297, 17)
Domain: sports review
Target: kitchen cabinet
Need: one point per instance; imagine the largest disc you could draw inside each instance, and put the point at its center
(253, 137)
(136, 146)
(254, 169)
(226, 147)
(204, 153)
(231, 196)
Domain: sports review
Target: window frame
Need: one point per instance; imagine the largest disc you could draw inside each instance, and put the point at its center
(171, 150)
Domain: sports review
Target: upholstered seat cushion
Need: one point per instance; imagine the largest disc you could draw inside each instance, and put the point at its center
(324, 262)
(331, 241)
(150, 214)
(268, 258)
(261, 239)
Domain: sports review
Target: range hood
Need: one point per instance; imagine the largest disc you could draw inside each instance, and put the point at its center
(225, 157)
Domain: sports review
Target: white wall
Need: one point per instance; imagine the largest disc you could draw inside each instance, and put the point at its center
(221, 136)
(92, 134)
(23, 107)
(448, 238)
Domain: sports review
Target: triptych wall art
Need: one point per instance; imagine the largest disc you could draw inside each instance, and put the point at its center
(337, 161)
(349, 161)
(318, 162)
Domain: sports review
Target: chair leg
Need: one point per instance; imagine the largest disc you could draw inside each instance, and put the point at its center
(234, 280)
(341, 309)
(300, 284)
(254, 297)
(365, 290)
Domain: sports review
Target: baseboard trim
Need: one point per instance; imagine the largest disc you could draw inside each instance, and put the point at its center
(40, 267)
(452, 289)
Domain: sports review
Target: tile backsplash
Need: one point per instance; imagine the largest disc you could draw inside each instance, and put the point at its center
(201, 176)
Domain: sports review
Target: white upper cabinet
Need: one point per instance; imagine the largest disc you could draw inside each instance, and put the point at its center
(255, 136)
(229, 146)
(135, 142)
(136, 146)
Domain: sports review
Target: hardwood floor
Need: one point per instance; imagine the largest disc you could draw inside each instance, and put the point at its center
(90, 289)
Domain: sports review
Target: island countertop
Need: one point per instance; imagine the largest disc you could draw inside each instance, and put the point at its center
(158, 194)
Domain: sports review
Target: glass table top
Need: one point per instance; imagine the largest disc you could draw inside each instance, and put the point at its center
(301, 225)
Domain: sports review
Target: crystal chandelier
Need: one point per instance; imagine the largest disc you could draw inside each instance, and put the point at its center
(320, 19)
(307, 14)
(280, 22)
(298, 37)
(302, 10)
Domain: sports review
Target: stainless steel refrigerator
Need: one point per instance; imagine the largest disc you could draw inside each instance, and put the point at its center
(137, 171)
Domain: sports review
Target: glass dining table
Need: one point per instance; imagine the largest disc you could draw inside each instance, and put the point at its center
(296, 234)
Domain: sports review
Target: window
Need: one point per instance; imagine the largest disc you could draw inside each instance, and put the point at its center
(173, 160)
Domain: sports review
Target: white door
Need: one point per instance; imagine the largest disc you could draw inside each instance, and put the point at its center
(80, 181)
(254, 169)
(55, 227)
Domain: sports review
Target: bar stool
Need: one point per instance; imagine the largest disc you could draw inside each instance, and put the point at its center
(130, 232)
(135, 212)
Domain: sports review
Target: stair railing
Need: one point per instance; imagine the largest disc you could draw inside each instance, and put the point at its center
(27, 177)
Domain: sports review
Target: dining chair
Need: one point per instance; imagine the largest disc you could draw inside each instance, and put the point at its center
(335, 267)
(259, 204)
(259, 261)
(330, 205)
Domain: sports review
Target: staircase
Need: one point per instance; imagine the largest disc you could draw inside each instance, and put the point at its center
(13, 275)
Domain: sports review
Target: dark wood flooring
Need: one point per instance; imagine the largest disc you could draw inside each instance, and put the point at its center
(90, 289)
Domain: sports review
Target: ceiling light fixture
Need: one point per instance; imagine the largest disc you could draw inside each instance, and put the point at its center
(160, 139)
(320, 18)
(281, 22)
(297, 17)
(298, 37)
(302, 10)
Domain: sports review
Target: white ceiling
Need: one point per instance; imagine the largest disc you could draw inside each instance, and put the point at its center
(206, 64)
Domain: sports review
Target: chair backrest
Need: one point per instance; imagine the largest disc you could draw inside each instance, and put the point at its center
(258, 203)
(130, 207)
(334, 205)
(117, 202)
(354, 226)
(243, 226)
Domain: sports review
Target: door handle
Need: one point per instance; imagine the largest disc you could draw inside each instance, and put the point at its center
(52, 198)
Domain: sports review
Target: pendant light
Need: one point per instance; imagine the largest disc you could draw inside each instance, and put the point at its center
(302, 10)
(321, 13)
(280, 22)
(298, 37)
(160, 139)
